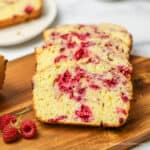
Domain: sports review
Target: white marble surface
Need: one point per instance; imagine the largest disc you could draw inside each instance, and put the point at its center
(133, 14)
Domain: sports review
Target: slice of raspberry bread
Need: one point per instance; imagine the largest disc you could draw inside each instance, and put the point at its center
(79, 80)
(17, 11)
(114, 37)
(2, 70)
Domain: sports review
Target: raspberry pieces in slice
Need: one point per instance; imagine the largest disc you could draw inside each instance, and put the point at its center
(94, 60)
(121, 111)
(69, 84)
(80, 73)
(59, 58)
(124, 98)
(64, 82)
(71, 44)
(87, 44)
(78, 94)
(104, 35)
(95, 87)
(111, 83)
(81, 36)
(84, 113)
(81, 53)
(64, 36)
(126, 71)
(54, 35)
(121, 120)
(57, 119)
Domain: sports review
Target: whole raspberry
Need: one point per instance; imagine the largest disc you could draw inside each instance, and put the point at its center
(28, 129)
(6, 119)
(10, 134)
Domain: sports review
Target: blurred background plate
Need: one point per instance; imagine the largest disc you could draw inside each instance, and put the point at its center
(23, 32)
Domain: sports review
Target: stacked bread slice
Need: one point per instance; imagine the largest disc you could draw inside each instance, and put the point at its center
(83, 75)
(17, 11)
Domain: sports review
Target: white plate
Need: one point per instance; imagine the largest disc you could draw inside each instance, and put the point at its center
(23, 32)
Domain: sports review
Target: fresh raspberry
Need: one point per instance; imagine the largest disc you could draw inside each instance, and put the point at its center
(28, 9)
(28, 129)
(10, 134)
(6, 119)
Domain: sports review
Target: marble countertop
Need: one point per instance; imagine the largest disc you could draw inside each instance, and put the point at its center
(133, 14)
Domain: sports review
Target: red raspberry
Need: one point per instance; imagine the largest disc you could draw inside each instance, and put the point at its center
(28, 129)
(10, 134)
(29, 9)
(6, 119)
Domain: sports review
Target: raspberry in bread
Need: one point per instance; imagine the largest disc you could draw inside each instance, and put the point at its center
(78, 82)
(2, 70)
(17, 11)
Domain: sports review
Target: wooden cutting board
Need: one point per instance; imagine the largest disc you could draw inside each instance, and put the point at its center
(17, 95)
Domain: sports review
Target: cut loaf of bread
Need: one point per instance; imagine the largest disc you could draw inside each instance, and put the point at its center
(83, 76)
(17, 11)
(2, 70)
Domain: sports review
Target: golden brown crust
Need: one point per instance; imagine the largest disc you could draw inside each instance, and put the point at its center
(3, 63)
(21, 18)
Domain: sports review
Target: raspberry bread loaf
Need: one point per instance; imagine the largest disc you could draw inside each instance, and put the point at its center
(83, 76)
(17, 11)
(2, 70)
